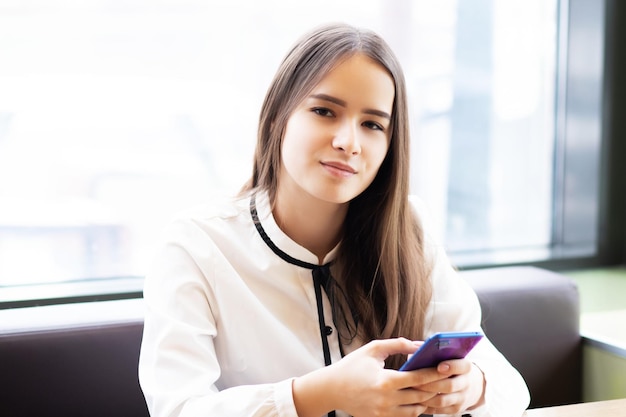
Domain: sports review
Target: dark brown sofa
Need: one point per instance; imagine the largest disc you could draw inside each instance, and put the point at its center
(80, 360)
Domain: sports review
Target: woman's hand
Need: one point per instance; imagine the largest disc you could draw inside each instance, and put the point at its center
(461, 388)
(359, 384)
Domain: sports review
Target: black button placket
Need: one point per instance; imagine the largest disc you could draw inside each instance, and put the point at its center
(321, 274)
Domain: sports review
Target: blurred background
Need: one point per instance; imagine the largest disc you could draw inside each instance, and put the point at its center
(115, 114)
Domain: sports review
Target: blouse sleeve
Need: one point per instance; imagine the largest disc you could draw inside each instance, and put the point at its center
(178, 367)
(455, 307)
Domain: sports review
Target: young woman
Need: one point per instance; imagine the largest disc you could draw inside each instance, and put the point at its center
(302, 295)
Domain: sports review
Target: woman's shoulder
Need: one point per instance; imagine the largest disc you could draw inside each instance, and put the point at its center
(207, 226)
(214, 206)
(417, 204)
(213, 214)
(430, 224)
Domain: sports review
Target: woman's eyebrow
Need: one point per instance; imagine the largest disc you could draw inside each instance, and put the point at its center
(332, 99)
(342, 103)
(378, 113)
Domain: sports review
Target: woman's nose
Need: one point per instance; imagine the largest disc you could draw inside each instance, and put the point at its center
(346, 139)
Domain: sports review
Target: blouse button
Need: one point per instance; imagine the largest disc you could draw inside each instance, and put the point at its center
(328, 330)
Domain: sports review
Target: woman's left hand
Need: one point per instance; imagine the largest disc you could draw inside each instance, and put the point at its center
(461, 388)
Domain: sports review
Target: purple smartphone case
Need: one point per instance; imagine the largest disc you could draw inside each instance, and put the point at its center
(440, 347)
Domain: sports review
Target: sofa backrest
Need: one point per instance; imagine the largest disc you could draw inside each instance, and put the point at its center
(83, 364)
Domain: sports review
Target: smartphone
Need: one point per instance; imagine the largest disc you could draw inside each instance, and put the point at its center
(440, 347)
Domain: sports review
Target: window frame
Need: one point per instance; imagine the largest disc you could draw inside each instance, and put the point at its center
(568, 251)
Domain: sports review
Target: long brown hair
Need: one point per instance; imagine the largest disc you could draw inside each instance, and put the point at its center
(383, 279)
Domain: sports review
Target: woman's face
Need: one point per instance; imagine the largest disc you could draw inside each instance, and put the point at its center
(337, 137)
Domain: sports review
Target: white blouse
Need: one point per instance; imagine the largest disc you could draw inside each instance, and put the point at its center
(229, 324)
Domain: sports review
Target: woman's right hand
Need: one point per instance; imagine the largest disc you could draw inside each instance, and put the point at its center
(360, 385)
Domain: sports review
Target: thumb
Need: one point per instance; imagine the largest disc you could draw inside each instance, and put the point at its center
(382, 349)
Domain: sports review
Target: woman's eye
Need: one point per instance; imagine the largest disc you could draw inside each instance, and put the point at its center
(322, 111)
(374, 126)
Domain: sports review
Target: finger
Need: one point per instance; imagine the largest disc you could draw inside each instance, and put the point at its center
(454, 367)
(410, 396)
(418, 344)
(382, 349)
(447, 385)
(444, 404)
(419, 378)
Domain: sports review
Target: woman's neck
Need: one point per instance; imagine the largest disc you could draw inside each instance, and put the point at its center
(310, 222)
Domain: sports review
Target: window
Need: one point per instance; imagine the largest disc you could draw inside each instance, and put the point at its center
(115, 114)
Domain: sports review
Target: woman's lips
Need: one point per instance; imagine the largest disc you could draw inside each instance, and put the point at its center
(339, 169)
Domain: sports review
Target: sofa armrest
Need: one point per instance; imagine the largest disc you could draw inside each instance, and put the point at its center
(532, 316)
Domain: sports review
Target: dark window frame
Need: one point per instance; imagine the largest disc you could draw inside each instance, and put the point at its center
(603, 241)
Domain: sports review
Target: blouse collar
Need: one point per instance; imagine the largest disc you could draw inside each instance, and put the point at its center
(280, 238)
